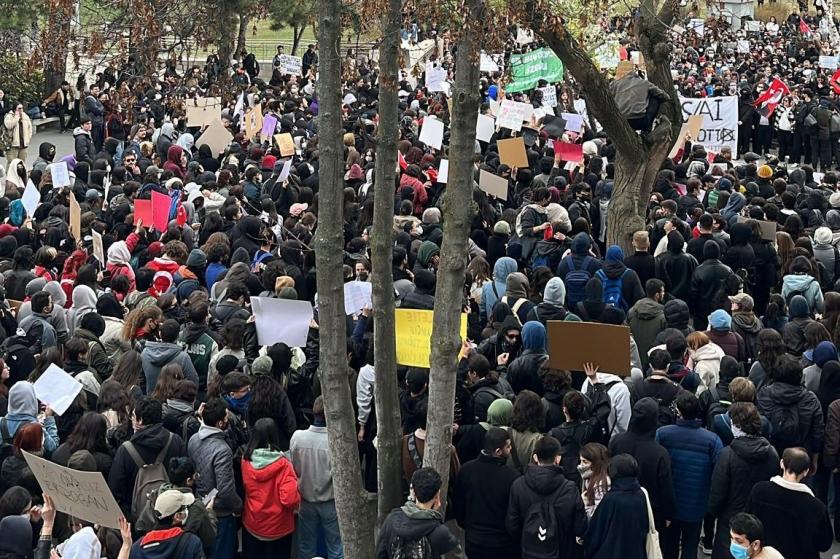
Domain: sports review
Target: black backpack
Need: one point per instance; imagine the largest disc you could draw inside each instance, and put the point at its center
(541, 535)
(784, 421)
(716, 407)
(667, 406)
(410, 549)
(601, 407)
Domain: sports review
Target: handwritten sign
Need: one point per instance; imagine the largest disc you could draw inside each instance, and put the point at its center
(286, 144)
(75, 218)
(414, 334)
(357, 296)
(513, 114)
(84, 495)
(60, 174)
(289, 64)
(720, 121)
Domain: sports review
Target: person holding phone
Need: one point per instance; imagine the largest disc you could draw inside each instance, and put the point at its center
(19, 127)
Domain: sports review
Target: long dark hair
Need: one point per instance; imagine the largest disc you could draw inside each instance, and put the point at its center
(128, 369)
(599, 457)
(89, 434)
(264, 434)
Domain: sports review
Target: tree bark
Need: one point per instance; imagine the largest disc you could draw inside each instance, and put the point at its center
(242, 36)
(350, 497)
(637, 161)
(449, 294)
(297, 33)
(389, 448)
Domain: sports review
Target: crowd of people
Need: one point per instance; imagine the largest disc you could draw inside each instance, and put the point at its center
(723, 440)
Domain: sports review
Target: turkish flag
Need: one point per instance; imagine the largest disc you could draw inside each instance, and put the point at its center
(835, 82)
(772, 96)
(803, 27)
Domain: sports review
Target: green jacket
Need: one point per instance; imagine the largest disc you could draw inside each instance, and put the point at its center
(201, 347)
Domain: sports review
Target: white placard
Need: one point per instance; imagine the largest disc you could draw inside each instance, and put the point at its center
(432, 132)
(752, 26)
(349, 99)
(697, 25)
(289, 64)
(744, 46)
(98, 247)
(488, 64)
(436, 78)
(60, 174)
(31, 199)
(828, 62)
(524, 36)
(549, 96)
(443, 171)
(574, 122)
(513, 114)
(281, 320)
(357, 296)
(485, 125)
(284, 172)
(720, 122)
(57, 389)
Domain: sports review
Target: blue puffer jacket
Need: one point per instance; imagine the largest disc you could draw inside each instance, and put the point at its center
(693, 452)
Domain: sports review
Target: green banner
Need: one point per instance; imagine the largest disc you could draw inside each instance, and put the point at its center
(529, 68)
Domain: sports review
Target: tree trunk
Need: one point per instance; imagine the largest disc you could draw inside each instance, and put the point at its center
(297, 33)
(449, 294)
(244, 20)
(632, 188)
(389, 448)
(350, 499)
(58, 33)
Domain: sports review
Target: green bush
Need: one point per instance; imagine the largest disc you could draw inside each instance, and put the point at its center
(20, 82)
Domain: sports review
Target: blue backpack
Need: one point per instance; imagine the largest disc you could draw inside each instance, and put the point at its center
(612, 289)
(576, 281)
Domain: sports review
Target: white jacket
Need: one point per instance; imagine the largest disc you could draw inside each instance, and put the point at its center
(619, 393)
(705, 361)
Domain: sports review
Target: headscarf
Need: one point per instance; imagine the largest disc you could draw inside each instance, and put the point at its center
(119, 254)
(17, 213)
(829, 389)
(82, 545)
(84, 302)
(16, 542)
(186, 141)
(499, 412)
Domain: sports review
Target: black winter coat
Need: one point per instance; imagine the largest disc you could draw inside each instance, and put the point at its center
(676, 270)
(524, 372)
(482, 493)
(707, 280)
(772, 402)
(619, 527)
(740, 466)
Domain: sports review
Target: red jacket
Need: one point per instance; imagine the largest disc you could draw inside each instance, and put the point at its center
(271, 497)
(420, 194)
(165, 276)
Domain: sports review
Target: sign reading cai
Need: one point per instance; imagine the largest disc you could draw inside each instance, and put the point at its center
(720, 122)
(529, 68)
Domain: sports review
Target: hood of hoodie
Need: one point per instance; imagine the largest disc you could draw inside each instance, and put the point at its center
(533, 336)
(747, 321)
(79, 131)
(614, 268)
(414, 522)
(193, 332)
(262, 458)
(17, 537)
(798, 282)
(751, 449)
(206, 431)
(784, 393)
(648, 309)
(581, 244)
(516, 285)
(676, 313)
(709, 352)
(46, 151)
(504, 267)
(555, 292)
(426, 251)
(544, 479)
(645, 417)
(22, 400)
(173, 155)
(161, 353)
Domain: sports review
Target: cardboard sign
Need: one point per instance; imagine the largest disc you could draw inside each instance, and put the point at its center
(143, 210)
(443, 171)
(57, 389)
(432, 132)
(574, 122)
(512, 152)
(513, 114)
(60, 174)
(217, 137)
(201, 115)
(569, 152)
(253, 121)
(493, 184)
(549, 96)
(160, 211)
(281, 320)
(571, 344)
(485, 125)
(98, 247)
(414, 334)
(693, 126)
(288, 64)
(286, 144)
(75, 219)
(768, 228)
(84, 495)
(436, 78)
(487, 63)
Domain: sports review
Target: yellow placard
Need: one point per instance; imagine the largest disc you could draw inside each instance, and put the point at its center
(414, 336)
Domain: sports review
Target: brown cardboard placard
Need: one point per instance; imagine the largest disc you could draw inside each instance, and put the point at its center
(624, 67)
(694, 124)
(493, 184)
(571, 344)
(216, 136)
(285, 143)
(768, 228)
(253, 121)
(512, 152)
(75, 219)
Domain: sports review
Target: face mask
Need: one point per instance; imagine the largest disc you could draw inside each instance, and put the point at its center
(739, 552)
(584, 471)
(363, 276)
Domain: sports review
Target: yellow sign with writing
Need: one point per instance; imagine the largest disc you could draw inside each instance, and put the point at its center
(414, 336)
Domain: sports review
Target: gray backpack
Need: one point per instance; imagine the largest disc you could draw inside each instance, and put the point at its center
(147, 484)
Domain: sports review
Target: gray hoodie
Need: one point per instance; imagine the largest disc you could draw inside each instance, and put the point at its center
(214, 463)
(158, 354)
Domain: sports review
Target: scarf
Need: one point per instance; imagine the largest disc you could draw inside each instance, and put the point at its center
(239, 406)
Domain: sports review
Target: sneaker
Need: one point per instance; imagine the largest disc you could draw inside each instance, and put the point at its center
(704, 549)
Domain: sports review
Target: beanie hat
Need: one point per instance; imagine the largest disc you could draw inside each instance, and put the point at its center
(725, 184)
(197, 258)
(823, 235)
(502, 228)
(765, 172)
(262, 365)
(834, 200)
(720, 320)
